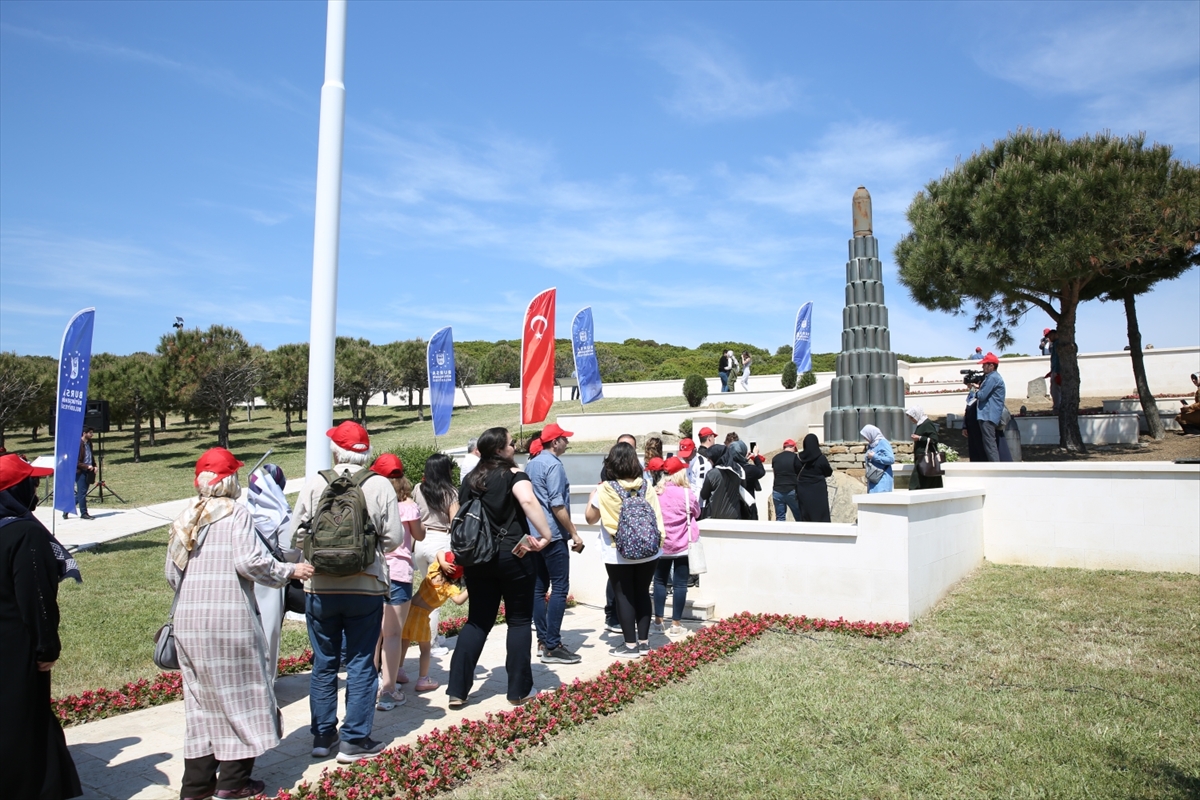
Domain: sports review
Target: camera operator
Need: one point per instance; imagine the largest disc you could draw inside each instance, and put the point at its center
(990, 404)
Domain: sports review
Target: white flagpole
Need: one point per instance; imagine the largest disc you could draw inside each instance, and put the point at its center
(323, 321)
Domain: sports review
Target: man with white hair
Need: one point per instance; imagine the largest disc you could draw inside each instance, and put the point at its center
(347, 608)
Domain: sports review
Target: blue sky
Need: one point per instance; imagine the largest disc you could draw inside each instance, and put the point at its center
(685, 169)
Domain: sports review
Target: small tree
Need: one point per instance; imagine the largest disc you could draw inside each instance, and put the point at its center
(466, 373)
(685, 429)
(789, 375)
(211, 371)
(19, 387)
(285, 382)
(502, 364)
(808, 379)
(695, 389)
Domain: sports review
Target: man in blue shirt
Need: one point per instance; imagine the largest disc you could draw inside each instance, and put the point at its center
(553, 492)
(990, 405)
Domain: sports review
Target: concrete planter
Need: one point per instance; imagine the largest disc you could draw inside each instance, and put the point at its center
(1095, 428)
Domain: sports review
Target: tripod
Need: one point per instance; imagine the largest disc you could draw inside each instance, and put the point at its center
(100, 484)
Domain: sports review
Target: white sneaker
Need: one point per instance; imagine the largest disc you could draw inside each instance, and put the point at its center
(439, 651)
(658, 627)
(389, 700)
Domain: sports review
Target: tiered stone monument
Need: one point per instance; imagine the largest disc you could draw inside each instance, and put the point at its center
(867, 389)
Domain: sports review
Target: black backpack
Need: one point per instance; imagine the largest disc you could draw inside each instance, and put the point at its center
(474, 539)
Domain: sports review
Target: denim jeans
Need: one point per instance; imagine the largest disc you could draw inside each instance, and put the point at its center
(554, 573)
(81, 490)
(663, 570)
(724, 381)
(783, 502)
(357, 619)
(506, 578)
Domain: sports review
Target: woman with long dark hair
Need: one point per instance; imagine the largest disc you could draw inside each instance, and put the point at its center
(630, 577)
(437, 497)
(511, 506)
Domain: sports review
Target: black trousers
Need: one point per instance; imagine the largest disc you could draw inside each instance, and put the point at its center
(506, 578)
(200, 776)
(631, 582)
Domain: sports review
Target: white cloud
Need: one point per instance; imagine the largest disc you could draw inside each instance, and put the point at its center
(218, 78)
(712, 83)
(820, 181)
(1135, 69)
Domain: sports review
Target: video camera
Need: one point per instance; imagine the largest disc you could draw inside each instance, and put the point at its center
(971, 377)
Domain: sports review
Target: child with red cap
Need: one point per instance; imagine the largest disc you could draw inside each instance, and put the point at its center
(440, 585)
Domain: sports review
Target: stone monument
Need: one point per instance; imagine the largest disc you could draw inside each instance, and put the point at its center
(867, 389)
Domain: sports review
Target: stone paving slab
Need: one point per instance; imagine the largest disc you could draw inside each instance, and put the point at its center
(113, 520)
(140, 755)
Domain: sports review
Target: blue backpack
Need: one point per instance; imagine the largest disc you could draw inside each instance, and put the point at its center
(637, 534)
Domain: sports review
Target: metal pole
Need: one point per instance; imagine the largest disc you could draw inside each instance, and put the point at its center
(323, 325)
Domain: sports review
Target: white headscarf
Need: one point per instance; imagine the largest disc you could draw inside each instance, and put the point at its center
(916, 413)
(872, 434)
(268, 507)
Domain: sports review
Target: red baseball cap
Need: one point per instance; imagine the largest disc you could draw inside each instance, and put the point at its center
(14, 469)
(706, 432)
(655, 464)
(535, 447)
(453, 571)
(1045, 331)
(552, 432)
(219, 461)
(686, 447)
(388, 465)
(978, 349)
(673, 465)
(789, 442)
(990, 358)
(350, 436)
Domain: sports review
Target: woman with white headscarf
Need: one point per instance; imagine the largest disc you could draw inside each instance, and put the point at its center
(229, 708)
(272, 523)
(925, 439)
(878, 460)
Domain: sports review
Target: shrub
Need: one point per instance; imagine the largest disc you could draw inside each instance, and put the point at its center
(685, 429)
(414, 456)
(789, 375)
(695, 389)
(808, 379)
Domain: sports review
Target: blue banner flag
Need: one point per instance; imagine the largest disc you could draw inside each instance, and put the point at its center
(587, 368)
(439, 356)
(74, 362)
(802, 342)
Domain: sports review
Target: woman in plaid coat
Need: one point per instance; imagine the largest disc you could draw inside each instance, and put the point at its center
(213, 561)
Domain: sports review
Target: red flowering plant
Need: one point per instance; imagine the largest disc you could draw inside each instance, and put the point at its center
(442, 759)
(143, 693)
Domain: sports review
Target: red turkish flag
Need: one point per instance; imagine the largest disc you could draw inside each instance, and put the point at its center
(537, 359)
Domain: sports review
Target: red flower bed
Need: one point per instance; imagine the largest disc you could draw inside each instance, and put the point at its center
(167, 687)
(442, 759)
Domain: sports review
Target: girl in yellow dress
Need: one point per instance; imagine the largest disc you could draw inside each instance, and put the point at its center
(440, 585)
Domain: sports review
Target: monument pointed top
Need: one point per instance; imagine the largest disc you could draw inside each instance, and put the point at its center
(862, 212)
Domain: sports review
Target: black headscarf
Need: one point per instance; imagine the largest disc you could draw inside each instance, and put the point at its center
(812, 449)
(17, 503)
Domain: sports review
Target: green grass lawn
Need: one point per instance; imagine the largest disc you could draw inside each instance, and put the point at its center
(109, 621)
(166, 470)
(1025, 682)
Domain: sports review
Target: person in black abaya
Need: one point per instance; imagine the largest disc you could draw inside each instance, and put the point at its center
(34, 761)
(811, 489)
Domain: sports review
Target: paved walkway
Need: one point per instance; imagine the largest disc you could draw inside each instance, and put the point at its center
(114, 520)
(140, 754)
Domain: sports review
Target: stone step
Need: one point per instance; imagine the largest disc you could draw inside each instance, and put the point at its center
(695, 608)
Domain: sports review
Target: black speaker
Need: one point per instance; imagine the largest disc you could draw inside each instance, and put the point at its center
(96, 416)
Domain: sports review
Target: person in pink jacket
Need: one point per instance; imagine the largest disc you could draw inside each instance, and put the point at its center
(680, 513)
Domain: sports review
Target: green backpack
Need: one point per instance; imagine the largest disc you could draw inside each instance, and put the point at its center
(340, 539)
